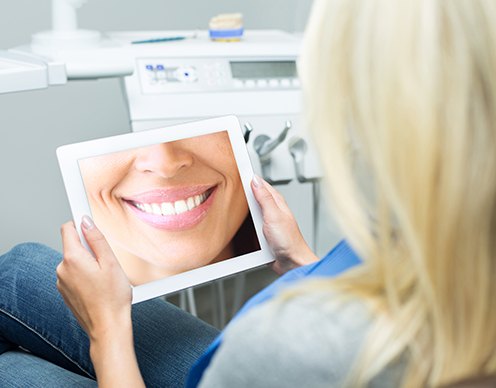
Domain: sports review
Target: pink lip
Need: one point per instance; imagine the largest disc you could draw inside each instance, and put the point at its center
(176, 222)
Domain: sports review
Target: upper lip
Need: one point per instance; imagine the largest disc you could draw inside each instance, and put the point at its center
(168, 194)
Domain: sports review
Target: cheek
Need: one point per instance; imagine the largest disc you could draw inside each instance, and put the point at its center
(100, 182)
(106, 171)
(231, 173)
(97, 187)
(242, 204)
(239, 205)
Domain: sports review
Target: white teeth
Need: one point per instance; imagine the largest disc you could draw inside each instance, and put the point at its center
(180, 206)
(168, 209)
(172, 208)
(156, 209)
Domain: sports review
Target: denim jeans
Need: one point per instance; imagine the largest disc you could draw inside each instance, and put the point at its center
(42, 344)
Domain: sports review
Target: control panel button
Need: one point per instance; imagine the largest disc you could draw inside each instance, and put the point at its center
(222, 81)
(160, 74)
(249, 83)
(274, 83)
(150, 73)
(262, 83)
(296, 82)
(238, 83)
(285, 83)
(186, 74)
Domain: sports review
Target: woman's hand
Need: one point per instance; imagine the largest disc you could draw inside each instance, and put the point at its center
(280, 229)
(99, 294)
(95, 288)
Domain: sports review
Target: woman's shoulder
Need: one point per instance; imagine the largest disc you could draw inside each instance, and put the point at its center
(308, 338)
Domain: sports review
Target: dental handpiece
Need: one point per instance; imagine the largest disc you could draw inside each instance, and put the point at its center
(297, 148)
(248, 130)
(263, 145)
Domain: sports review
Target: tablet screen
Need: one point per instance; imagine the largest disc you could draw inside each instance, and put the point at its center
(170, 207)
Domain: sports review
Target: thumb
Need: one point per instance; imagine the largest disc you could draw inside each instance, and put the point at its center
(265, 199)
(96, 241)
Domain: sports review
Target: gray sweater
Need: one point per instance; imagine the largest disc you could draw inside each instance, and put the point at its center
(307, 341)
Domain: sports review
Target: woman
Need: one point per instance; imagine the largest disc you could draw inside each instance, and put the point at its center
(170, 207)
(412, 86)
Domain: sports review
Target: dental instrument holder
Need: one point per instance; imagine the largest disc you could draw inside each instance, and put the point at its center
(263, 146)
(298, 148)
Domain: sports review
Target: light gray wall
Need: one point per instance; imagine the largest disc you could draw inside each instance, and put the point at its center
(32, 124)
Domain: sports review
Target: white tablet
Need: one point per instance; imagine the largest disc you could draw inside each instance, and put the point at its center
(174, 203)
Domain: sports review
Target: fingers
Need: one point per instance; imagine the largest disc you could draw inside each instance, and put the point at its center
(73, 248)
(264, 197)
(97, 242)
(276, 196)
(71, 243)
(280, 201)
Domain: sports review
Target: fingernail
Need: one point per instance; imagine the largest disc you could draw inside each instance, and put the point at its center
(87, 222)
(257, 182)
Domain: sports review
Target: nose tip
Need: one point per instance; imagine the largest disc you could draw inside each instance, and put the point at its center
(165, 160)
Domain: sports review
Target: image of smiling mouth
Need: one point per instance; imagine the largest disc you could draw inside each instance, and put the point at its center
(172, 209)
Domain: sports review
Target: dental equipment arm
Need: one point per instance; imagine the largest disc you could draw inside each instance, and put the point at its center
(64, 17)
(80, 53)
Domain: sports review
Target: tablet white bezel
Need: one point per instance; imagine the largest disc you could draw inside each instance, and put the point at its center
(69, 156)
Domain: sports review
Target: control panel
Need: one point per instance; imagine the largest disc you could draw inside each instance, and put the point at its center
(178, 75)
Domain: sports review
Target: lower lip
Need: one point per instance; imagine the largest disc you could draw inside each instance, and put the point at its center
(176, 222)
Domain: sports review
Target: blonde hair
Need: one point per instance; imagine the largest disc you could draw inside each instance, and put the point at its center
(412, 84)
